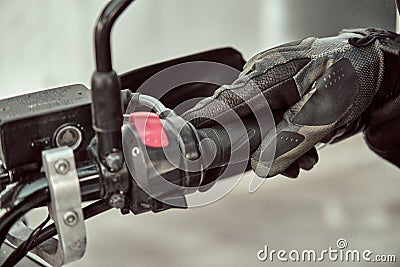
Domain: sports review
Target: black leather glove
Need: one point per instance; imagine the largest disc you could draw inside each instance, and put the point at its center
(382, 131)
(319, 89)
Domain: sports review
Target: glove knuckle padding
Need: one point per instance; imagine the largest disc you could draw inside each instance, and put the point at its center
(336, 86)
(313, 117)
(333, 94)
(274, 87)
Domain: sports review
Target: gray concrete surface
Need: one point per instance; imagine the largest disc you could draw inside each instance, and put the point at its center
(351, 193)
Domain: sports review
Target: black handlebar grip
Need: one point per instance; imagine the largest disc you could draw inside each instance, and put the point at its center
(228, 139)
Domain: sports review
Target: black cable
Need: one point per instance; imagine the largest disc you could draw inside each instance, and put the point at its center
(34, 235)
(25, 197)
(12, 215)
(29, 259)
(88, 212)
(24, 247)
(44, 234)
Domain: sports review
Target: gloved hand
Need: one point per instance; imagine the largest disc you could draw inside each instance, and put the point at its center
(322, 87)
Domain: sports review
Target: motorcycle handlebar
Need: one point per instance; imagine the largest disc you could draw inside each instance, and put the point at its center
(35, 194)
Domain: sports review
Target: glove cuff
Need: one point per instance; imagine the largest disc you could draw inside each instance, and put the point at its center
(391, 81)
(392, 155)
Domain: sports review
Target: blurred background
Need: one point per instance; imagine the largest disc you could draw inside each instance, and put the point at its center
(350, 194)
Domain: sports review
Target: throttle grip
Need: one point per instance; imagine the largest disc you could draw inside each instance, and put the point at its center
(228, 139)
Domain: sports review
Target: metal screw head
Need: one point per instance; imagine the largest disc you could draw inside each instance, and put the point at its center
(114, 161)
(135, 151)
(61, 166)
(70, 218)
(117, 201)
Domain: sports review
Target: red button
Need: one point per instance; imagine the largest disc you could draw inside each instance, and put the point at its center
(150, 130)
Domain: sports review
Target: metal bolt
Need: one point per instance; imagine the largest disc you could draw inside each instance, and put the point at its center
(117, 201)
(70, 218)
(135, 151)
(114, 161)
(61, 166)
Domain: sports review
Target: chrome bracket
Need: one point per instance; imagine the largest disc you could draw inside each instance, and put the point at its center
(65, 209)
